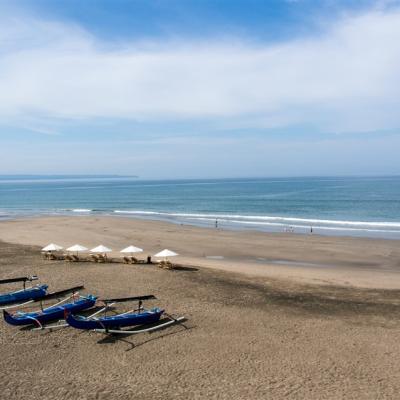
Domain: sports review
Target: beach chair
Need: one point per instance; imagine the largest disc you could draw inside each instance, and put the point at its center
(166, 264)
(126, 260)
(101, 258)
(69, 258)
(94, 257)
(48, 255)
(75, 258)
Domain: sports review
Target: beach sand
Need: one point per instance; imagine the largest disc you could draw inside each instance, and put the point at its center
(280, 316)
(303, 258)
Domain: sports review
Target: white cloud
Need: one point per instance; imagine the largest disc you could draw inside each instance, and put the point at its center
(344, 80)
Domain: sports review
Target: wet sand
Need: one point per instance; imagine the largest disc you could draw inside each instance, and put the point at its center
(248, 335)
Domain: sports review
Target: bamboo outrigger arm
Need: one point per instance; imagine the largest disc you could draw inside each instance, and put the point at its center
(153, 328)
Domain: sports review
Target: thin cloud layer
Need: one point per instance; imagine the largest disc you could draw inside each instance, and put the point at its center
(344, 81)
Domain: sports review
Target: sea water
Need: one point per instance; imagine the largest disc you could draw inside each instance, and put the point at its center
(357, 206)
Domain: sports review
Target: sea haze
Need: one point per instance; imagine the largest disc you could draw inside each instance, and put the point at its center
(361, 206)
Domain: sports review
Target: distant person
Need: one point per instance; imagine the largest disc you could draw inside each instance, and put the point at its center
(311, 230)
(216, 223)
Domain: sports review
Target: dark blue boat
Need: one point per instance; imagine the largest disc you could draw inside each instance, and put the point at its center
(23, 295)
(50, 313)
(115, 321)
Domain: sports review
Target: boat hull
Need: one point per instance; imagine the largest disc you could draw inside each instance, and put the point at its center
(116, 321)
(49, 314)
(23, 295)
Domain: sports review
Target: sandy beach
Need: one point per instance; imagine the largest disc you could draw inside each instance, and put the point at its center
(275, 316)
(315, 259)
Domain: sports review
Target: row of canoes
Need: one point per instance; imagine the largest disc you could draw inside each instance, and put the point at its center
(85, 312)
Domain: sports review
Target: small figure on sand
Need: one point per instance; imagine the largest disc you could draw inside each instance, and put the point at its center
(216, 223)
(311, 229)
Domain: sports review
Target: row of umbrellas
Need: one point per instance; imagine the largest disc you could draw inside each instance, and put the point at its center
(103, 249)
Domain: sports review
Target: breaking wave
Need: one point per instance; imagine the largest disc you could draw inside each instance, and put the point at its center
(274, 221)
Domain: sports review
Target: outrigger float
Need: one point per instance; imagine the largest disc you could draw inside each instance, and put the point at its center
(52, 313)
(112, 324)
(24, 296)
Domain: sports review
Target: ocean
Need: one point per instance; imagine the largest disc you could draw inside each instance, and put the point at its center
(357, 206)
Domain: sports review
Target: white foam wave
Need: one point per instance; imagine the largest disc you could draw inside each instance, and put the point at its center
(304, 227)
(142, 212)
(275, 220)
(315, 227)
(81, 210)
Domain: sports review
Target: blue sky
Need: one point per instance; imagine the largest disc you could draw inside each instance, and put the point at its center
(169, 89)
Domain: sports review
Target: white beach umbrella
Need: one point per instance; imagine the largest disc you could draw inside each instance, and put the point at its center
(77, 248)
(101, 249)
(131, 249)
(52, 247)
(166, 253)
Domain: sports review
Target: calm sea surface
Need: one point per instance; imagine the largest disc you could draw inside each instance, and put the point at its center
(331, 206)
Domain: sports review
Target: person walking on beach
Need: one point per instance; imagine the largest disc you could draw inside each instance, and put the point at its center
(216, 223)
(311, 230)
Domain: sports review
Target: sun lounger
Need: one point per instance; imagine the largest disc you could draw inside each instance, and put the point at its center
(51, 256)
(48, 255)
(165, 264)
(134, 260)
(101, 258)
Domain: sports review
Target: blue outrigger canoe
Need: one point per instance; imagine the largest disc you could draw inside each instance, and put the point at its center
(115, 321)
(49, 314)
(140, 319)
(25, 294)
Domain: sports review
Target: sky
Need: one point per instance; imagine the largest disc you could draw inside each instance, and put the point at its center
(200, 89)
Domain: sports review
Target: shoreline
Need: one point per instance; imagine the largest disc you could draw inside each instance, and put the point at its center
(239, 223)
(316, 259)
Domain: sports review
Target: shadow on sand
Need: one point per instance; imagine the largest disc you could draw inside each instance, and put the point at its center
(113, 338)
(184, 268)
